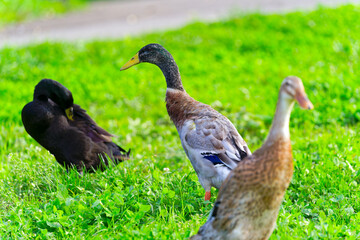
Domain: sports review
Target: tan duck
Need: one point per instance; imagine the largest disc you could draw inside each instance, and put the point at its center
(249, 199)
(209, 139)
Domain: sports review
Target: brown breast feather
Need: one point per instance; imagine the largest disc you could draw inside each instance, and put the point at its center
(181, 107)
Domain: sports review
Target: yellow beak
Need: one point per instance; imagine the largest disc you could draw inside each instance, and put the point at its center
(133, 61)
(70, 113)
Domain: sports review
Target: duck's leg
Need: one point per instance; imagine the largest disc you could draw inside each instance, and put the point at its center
(207, 195)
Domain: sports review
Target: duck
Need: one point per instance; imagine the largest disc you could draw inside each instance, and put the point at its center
(249, 199)
(67, 131)
(210, 141)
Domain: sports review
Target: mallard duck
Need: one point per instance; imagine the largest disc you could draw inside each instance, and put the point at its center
(249, 199)
(209, 139)
(65, 129)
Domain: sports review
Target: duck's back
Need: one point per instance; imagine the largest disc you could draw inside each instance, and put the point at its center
(100, 137)
(183, 108)
(249, 199)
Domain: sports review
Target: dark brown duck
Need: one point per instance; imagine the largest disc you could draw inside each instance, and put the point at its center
(67, 131)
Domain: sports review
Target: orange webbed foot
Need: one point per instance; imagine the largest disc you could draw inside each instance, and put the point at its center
(207, 196)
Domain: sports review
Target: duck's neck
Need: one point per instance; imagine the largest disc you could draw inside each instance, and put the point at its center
(59, 94)
(280, 124)
(171, 74)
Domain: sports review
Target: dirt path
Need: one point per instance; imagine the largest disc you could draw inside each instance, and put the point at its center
(116, 19)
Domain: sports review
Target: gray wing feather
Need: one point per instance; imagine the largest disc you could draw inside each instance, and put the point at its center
(217, 135)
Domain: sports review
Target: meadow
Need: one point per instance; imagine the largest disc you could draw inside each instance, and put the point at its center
(236, 66)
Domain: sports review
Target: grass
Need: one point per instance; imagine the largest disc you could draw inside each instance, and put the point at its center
(13, 11)
(236, 66)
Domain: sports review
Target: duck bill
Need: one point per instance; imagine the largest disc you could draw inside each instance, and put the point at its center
(70, 113)
(133, 61)
(303, 101)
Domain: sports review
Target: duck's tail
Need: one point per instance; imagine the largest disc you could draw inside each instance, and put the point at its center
(118, 153)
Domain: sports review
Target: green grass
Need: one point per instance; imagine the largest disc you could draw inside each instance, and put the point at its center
(236, 66)
(12, 11)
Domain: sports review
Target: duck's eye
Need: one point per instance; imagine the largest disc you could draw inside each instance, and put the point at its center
(287, 84)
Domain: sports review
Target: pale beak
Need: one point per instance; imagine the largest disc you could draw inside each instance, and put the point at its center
(70, 113)
(133, 61)
(303, 101)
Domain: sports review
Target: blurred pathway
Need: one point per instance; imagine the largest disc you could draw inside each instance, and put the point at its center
(115, 19)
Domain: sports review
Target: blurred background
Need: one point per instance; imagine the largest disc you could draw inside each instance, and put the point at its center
(29, 21)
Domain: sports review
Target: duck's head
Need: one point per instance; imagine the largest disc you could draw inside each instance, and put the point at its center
(293, 88)
(50, 89)
(151, 53)
(158, 55)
